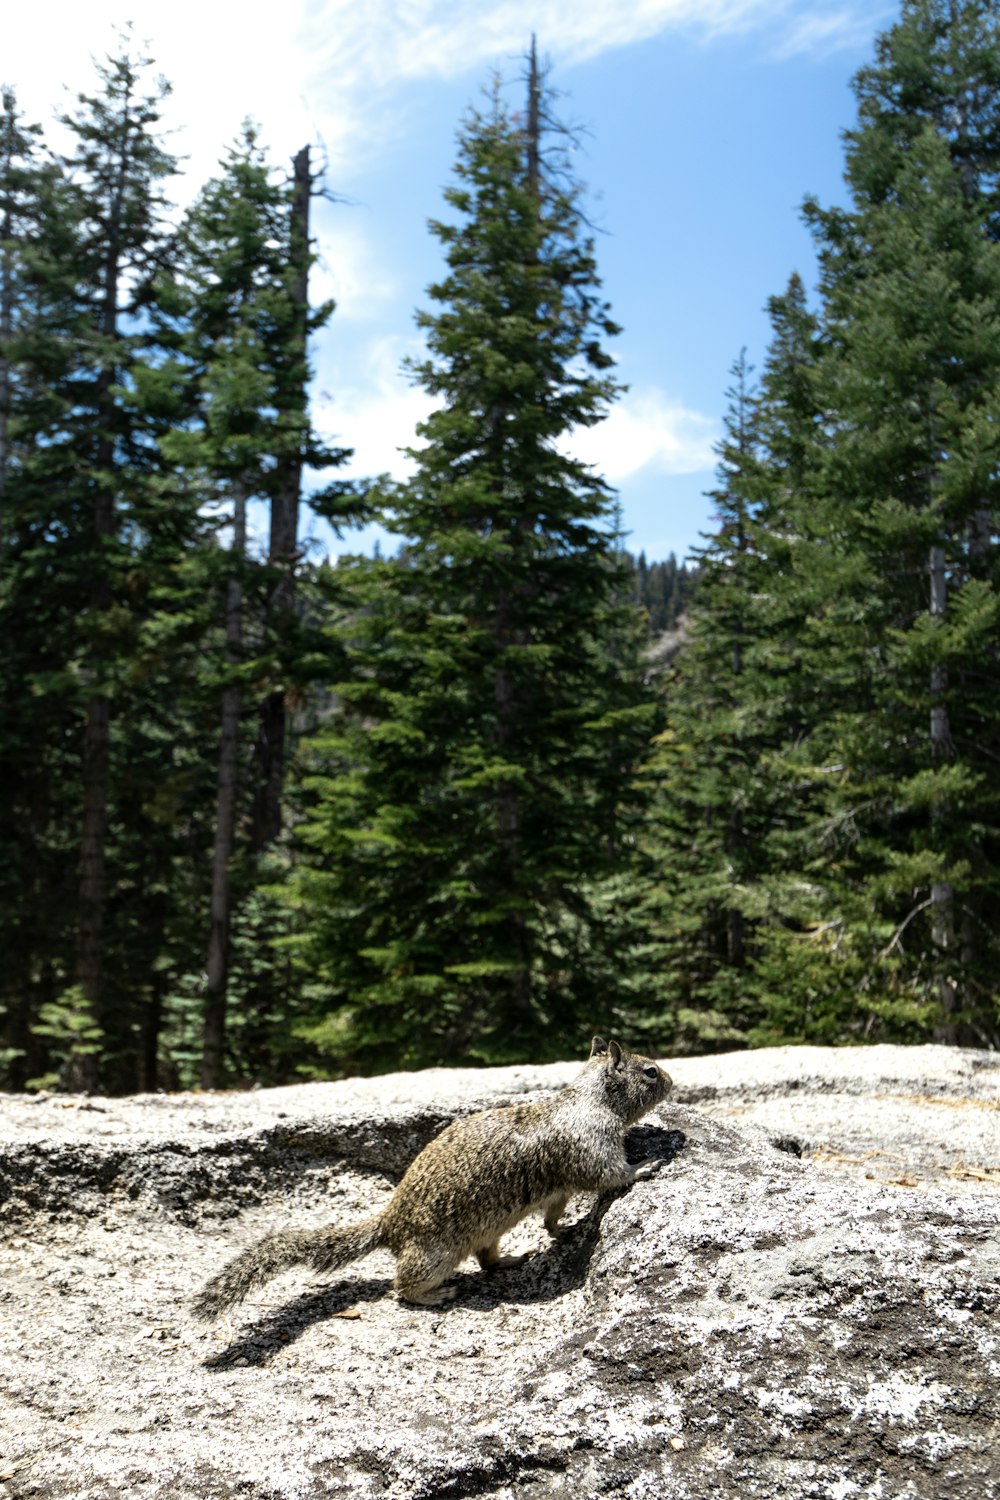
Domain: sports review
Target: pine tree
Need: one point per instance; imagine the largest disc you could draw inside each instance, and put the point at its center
(937, 68)
(735, 948)
(663, 590)
(913, 381)
(474, 785)
(92, 599)
(18, 217)
(116, 170)
(36, 755)
(879, 467)
(222, 302)
(705, 816)
(139, 400)
(868, 633)
(804, 984)
(237, 312)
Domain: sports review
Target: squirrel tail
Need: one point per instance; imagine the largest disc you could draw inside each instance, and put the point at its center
(323, 1249)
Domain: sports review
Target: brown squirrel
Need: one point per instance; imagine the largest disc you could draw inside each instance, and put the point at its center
(482, 1175)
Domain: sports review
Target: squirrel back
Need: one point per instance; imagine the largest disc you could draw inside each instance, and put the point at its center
(474, 1181)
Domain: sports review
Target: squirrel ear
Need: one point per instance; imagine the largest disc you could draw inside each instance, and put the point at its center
(615, 1054)
(598, 1047)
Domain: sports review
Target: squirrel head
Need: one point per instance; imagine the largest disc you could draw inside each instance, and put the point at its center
(631, 1083)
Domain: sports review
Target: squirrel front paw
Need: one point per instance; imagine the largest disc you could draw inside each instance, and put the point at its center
(647, 1169)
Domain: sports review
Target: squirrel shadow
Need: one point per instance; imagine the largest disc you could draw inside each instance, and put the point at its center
(561, 1267)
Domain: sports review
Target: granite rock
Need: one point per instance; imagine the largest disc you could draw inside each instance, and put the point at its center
(802, 1302)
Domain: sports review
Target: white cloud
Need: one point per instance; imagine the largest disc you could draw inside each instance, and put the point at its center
(222, 69)
(647, 431)
(392, 39)
(370, 47)
(326, 70)
(376, 412)
(336, 72)
(831, 30)
(350, 269)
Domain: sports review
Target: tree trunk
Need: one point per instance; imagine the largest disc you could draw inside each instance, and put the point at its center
(508, 814)
(152, 1021)
(735, 934)
(534, 122)
(96, 773)
(283, 541)
(942, 893)
(96, 769)
(217, 966)
(505, 634)
(97, 737)
(734, 840)
(93, 871)
(6, 326)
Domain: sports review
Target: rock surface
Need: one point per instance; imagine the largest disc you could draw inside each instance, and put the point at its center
(802, 1303)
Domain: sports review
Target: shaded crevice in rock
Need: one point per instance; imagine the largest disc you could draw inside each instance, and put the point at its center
(196, 1179)
(497, 1469)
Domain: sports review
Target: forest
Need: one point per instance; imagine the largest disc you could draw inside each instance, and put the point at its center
(265, 816)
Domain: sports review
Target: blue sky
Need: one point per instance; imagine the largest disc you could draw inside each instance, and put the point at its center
(708, 121)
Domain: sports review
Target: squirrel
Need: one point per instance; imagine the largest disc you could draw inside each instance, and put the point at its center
(482, 1175)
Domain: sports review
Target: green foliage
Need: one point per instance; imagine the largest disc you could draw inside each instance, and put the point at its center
(463, 803)
(89, 545)
(71, 1035)
(143, 375)
(830, 778)
(664, 590)
(472, 791)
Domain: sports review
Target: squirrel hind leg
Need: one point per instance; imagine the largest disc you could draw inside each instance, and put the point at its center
(419, 1275)
(490, 1259)
(554, 1210)
(426, 1297)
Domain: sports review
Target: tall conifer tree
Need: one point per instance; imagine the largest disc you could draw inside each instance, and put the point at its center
(708, 815)
(912, 381)
(82, 514)
(117, 169)
(476, 779)
(38, 765)
(236, 311)
(889, 869)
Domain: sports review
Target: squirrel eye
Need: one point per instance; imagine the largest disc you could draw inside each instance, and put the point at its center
(651, 1072)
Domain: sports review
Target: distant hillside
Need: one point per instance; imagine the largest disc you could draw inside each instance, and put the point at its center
(662, 589)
